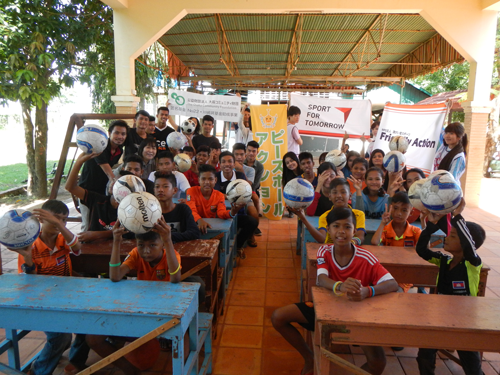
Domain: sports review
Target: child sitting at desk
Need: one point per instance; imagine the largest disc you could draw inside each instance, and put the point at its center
(165, 164)
(206, 202)
(339, 196)
(373, 198)
(154, 259)
(345, 269)
(458, 275)
(49, 255)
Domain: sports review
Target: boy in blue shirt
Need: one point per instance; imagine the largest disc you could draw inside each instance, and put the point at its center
(458, 275)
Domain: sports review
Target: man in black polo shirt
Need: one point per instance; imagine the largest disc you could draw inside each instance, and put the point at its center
(162, 130)
(138, 133)
(205, 138)
(98, 171)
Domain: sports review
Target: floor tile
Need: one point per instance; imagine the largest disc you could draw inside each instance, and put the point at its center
(280, 285)
(253, 262)
(237, 361)
(281, 273)
(247, 298)
(246, 272)
(279, 299)
(244, 315)
(279, 245)
(249, 283)
(241, 336)
(255, 253)
(281, 362)
(279, 254)
(280, 262)
(273, 340)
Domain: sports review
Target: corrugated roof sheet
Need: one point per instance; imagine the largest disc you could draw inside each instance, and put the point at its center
(260, 44)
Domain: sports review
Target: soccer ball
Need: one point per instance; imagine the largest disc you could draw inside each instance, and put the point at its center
(92, 138)
(239, 191)
(139, 212)
(183, 162)
(126, 185)
(298, 193)
(394, 161)
(398, 143)
(176, 140)
(441, 194)
(337, 158)
(188, 126)
(414, 194)
(18, 229)
(440, 172)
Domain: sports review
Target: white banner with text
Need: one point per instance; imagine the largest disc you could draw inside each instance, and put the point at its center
(184, 103)
(420, 124)
(333, 117)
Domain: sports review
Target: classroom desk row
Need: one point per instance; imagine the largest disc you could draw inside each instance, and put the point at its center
(129, 308)
(402, 320)
(403, 263)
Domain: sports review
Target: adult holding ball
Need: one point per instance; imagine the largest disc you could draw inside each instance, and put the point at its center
(451, 154)
(92, 138)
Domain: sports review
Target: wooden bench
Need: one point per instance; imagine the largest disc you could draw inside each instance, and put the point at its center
(403, 320)
(402, 262)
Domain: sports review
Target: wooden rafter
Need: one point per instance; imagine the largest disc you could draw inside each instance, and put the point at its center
(194, 64)
(276, 79)
(226, 56)
(295, 43)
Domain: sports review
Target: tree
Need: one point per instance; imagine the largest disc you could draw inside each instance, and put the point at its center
(41, 42)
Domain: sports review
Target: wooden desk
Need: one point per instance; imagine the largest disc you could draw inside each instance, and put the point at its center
(101, 307)
(451, 322)
(95, 256)
(402, 262)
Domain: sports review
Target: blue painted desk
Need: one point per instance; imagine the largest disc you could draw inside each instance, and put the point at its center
(100, 307)
(227, 258)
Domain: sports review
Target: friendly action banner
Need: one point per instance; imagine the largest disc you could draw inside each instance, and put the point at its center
(184, 103)
(269, 125)
(331, 117)
(421, 125)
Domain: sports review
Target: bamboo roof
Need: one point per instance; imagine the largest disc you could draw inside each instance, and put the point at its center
(311, 50)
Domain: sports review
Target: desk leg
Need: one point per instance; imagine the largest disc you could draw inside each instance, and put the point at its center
(299, 235)
(193, 343)
(178, 355)
(13, 351)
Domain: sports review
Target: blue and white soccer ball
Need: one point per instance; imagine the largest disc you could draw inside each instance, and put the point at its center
(337, 158)
(188, 126)
(414, 194)
(126, 185)
(18, 229)
(176, 140)
(139, 212)
(398, 143)
(239, 192)
(92, 138)
(298, 193)
(394, 161)
(441, 194)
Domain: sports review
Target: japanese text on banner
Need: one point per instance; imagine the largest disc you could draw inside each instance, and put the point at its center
(184, 103)
(271, 134)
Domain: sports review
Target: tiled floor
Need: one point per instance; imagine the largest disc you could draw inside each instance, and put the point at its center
(269, 277)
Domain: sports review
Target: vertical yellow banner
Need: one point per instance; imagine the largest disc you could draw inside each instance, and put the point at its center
(269, 128)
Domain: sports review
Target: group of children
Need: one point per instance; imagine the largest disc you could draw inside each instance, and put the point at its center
(343, 199)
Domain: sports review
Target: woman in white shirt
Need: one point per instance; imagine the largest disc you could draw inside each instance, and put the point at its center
(451, 154)
(244, 132)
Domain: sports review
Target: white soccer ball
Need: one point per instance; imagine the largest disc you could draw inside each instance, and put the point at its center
(337, 158)
(394, 161)
(18, 229)
(441, 194)
(126, 185)
(183, 162)
(188, 126)
(139, 212)
(298, 193)
(398, 143)
(414, 194)
(239, 191)
(92, 138)
(176, 140)
(440, 172)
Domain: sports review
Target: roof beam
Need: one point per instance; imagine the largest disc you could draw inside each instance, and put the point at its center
(116, 4)
(294, 53)
(226, 56)
(277, 79)
(303, 30)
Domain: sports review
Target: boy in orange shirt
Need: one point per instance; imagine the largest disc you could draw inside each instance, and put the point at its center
(154, 259)
(49, 255)
(205, 202)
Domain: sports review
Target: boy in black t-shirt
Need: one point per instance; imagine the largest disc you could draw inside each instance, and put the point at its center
(205, 138)
(458, 275)
(162, 130)
(178, 216)
(138, 133)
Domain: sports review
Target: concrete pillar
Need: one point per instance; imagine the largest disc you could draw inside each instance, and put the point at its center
(476, 122)
(126, 104)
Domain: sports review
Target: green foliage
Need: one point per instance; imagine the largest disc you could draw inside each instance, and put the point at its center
(455, 77)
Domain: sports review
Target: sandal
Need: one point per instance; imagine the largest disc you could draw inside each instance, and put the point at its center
(241, 253)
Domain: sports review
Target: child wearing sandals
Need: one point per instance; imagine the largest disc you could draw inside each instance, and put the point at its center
(345, 269)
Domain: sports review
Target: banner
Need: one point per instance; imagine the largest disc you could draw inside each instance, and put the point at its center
(420, 124)
(332, 117)
(184, 103)
(269, 126)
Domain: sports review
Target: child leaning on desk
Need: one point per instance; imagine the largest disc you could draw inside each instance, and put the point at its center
(49, 255)
(458, 275)
(345, 269)
(154, 259)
